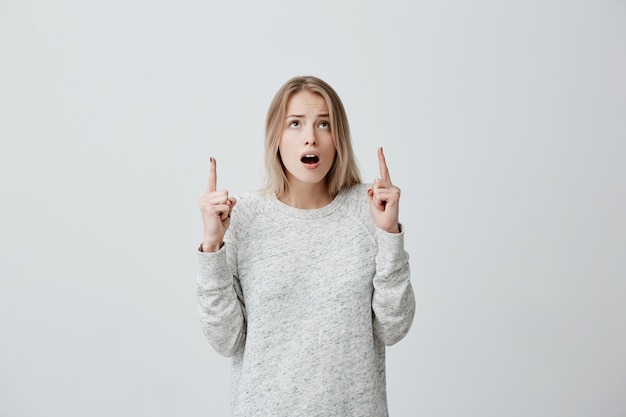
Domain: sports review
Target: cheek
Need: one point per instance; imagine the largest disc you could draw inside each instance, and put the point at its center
(284, 149)
(326, 137)
(285, 152)
(281, 143)
(331, 142)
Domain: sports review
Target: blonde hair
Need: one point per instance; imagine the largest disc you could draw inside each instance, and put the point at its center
(344, 171)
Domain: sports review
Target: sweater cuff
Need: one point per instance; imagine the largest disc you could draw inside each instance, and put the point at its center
(213, 267)
(390, 245)
(383, 235)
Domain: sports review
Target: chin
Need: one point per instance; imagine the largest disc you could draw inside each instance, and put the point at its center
(310, 177)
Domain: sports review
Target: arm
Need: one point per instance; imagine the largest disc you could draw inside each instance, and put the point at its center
(220, 299)
(220, 303)
(393, 301)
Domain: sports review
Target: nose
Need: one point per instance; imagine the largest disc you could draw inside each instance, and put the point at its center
(310, 137)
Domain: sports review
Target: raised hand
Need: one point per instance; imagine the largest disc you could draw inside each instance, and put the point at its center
(215, 208)
(384, 199)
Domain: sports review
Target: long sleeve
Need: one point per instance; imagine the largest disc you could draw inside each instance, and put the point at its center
(220, 303)
(393, 301)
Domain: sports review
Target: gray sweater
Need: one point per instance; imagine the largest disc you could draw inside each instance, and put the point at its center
(305, 301)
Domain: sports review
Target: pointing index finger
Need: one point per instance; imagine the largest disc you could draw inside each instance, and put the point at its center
(382, 166)
(211, 186)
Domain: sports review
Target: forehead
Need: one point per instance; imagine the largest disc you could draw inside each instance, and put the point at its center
(306, 100)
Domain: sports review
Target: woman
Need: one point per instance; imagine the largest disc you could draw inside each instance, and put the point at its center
(305, 282)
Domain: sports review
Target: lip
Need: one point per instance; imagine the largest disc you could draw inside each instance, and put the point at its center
(303, 154)
(310, 166)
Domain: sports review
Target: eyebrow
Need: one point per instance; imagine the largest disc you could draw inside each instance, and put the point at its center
(301, 115)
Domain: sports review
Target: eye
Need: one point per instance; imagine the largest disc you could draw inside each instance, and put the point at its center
(294, 123)
(324, 124)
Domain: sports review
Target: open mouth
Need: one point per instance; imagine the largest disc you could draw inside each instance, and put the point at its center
(310, 159)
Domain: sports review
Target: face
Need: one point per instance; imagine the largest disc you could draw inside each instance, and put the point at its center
(306, 146)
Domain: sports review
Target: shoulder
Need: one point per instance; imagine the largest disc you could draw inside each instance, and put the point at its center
(356, 192)
(249, 207)
(251, 204)
(356, 203)
(355, 197)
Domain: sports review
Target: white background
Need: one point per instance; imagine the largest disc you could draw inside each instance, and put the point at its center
(504, 123)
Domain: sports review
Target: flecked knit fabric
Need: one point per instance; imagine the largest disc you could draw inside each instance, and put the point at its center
(305, 301)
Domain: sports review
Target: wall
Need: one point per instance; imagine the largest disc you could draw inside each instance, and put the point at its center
(503, 123)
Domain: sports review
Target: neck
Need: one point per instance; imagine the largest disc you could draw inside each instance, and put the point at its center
(306, 196)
